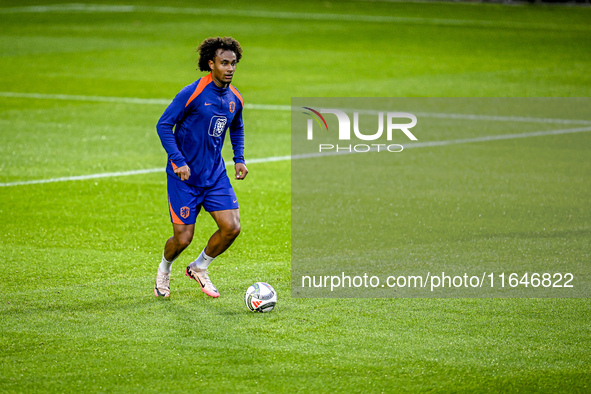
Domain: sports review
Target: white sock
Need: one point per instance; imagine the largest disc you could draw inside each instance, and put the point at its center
(202, 262)
(165, 265)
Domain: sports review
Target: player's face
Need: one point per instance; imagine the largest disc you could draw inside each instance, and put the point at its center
(223, 67)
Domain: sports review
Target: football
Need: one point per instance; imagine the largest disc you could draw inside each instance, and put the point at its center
(260, 297)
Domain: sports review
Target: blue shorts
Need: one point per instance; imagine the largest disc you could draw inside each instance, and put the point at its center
(185, 201)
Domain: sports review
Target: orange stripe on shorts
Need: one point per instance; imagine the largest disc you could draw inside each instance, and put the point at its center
(175, 218)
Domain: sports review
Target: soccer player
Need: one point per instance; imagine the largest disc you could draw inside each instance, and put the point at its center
(200, 115)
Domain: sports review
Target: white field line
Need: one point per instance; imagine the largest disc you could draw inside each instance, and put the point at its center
(123, 100)
(99, 99)
(498, 118)
(125, 173)
(268, 107)
(96, 8)
(430, 144)
(313, 155)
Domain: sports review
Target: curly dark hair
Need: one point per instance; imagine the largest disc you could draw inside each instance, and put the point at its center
(208, 48)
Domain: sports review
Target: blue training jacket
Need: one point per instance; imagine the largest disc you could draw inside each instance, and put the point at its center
(202, 112)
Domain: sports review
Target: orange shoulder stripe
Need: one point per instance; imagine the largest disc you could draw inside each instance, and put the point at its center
(235, 91)
(175, 218)
(203, 82)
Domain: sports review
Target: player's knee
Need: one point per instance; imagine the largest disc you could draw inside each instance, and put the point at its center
(184, 239)
(236, 231)
(232, 231)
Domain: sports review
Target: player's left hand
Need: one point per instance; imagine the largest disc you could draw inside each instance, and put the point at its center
(241, 171)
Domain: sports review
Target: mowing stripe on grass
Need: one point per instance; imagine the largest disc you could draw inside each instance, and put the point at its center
(270, 107)
(307, 16)
(311, 155)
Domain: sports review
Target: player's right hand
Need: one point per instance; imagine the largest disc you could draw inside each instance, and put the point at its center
(183, 172)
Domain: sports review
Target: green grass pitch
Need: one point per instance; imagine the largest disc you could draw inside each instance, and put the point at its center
(77, 310)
